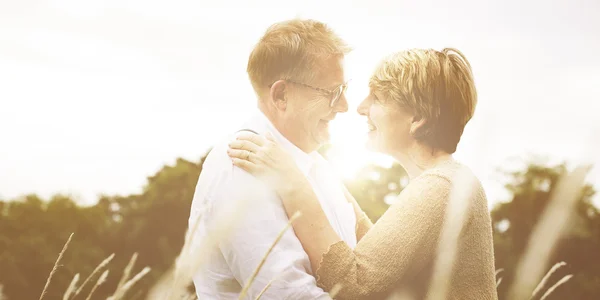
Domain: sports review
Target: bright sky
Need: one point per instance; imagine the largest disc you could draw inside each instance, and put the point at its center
(97, 95)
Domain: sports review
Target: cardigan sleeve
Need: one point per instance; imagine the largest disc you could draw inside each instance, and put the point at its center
(402, 241)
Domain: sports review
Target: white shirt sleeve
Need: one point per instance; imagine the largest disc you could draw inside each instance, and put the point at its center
(259, 217)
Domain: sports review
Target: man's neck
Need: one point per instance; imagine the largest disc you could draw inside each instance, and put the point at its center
(285, 132)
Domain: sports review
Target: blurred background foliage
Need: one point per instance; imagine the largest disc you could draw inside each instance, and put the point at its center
(153, 223)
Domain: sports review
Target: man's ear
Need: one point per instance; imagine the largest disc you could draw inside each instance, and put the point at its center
(278, 94)
(418, 127)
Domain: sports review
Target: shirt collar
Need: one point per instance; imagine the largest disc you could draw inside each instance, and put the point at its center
(303, 160)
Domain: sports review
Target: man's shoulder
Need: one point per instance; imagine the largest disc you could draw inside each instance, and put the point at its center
(217, 160)
(219, 174)
(217, 156)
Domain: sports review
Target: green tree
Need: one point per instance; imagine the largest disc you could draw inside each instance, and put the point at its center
(579, 248)
(376, 187)
(33, 233)
(153, 223)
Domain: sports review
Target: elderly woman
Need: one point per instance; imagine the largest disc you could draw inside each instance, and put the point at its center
(419, 103)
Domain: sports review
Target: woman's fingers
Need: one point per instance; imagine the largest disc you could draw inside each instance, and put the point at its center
(240, 154)
(244, 145)
(245, 165)
(270, 136)
(252, 137)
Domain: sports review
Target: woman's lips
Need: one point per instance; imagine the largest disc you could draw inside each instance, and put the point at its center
(372, 127)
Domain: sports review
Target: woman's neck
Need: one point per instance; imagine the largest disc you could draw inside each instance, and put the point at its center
(420, 158)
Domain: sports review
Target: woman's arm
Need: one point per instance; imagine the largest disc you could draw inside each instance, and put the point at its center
(363, 223)
(398, 245)
(401, 242)
(262, 157)
(313, 228)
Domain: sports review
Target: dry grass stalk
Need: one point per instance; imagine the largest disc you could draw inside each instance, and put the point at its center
(120, 293)
(190, 296)
(185, 254)
(499, 271)
(2, 296)
(559, 283)
(498, 280)
(127, 271)
(163, 288)
(335, 290)
(265, 288)
(71, 287)
(542, 283)
(547, 232)
(454, 220)
(55, 266)
(190, 259)
(264, 259)
(100, 281)
(192, 256)
(401, 295)
(192, 231)
(96, 270)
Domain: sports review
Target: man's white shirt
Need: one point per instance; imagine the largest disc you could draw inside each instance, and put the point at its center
(238, 219)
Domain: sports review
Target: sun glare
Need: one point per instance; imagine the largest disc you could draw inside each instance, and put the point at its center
(348, 152)
(348, 140)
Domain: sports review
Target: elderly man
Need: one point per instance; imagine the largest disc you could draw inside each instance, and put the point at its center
(296, 70)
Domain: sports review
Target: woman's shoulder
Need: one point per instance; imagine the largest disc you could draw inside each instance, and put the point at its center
(451, 172)
(447, 169)
(452, 177)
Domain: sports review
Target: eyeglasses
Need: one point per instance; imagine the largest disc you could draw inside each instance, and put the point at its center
(335, 94)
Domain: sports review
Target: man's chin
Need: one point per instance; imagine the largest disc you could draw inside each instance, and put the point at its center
(322, 139)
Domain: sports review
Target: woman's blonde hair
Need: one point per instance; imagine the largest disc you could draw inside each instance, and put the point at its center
(435, 85)
(293, 49)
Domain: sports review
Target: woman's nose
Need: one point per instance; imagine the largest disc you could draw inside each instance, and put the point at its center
(363, 107)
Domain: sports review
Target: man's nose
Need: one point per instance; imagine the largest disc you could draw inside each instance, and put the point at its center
(341, 106)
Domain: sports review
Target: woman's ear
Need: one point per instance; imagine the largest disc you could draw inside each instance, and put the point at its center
(278, 94)
(418, 127)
